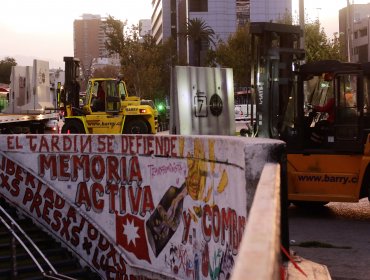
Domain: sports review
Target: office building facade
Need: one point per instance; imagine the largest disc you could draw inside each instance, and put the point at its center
(354, 25)
(169, 18)
(266, 11)
(145, 27)
(89, 42)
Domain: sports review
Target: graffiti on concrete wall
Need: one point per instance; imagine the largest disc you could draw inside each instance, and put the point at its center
(133, 205)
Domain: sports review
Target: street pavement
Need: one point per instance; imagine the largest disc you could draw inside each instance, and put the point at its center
(341, 234)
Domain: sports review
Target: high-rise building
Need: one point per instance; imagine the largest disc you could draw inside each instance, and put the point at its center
(169, 18)
(266, 11)
(145, 27)
(89, 41)
(242, 12)
(161, 19)
(354, 25)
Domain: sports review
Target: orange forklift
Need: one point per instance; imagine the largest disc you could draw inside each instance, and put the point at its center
(327, 153)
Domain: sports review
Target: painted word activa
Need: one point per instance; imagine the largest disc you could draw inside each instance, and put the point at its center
(66, 167)
(96, 197)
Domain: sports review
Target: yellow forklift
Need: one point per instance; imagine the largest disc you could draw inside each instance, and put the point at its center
(106, 108)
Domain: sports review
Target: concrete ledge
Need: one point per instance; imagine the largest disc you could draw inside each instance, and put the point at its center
(314, 271)
(259, 253)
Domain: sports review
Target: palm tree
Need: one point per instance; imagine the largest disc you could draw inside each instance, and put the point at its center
(198, 32)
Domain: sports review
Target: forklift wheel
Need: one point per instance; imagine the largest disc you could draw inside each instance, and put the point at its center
(136, 127)
(73, 127)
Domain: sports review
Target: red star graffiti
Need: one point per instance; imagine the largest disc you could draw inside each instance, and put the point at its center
(131, 235)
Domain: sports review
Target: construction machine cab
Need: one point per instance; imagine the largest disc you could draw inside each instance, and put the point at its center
(316, 130)
(292, 98)
(104, 95)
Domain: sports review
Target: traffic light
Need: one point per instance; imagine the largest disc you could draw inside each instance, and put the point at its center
(161, 108)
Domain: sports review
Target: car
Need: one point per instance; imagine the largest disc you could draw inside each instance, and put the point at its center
(52, 125)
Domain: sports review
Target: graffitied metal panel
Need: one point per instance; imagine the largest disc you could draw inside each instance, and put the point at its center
(133, 205)
(202, 101)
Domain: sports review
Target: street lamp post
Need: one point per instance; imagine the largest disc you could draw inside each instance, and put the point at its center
(368, 38)
(301, 21)
(349, 31)
(318, 13)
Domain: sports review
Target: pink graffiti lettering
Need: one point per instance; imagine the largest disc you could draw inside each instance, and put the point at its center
(171, 168)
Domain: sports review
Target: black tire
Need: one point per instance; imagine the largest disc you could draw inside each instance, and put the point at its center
(41, 128)
(365, 185)
(309, 204)
(37, 128)
(8, 130)
(136, 127)
(73, 127)
(244, 132)
(78, 112)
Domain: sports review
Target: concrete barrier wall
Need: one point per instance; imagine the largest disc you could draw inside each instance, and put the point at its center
(261, 240)
(133, 205)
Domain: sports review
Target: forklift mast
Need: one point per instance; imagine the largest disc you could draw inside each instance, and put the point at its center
(71, 94)
(276, 54)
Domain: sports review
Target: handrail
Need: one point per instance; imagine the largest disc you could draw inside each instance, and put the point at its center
(52, 274)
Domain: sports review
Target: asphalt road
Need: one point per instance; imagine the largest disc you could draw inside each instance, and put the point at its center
(338, 236)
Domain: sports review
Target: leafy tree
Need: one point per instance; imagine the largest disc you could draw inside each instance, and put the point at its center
(235, 54)
(318, 46)
(114, 31)
(167, 57)
(143, 63)
(6, 68)
(286, 18)
(109, 71)
(136, 56)
(198, 33)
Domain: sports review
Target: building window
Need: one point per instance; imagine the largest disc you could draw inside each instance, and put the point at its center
(198, 6)
(362, 53)
(363, 32)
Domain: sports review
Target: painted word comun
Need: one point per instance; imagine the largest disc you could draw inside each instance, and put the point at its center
(133, 206)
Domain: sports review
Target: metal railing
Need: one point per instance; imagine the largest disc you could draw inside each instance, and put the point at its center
(13, 227)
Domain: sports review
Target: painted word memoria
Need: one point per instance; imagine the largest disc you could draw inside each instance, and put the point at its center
(66, 167)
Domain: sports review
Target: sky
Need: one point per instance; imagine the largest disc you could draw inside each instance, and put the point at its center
(325, 10)
(43, 29)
